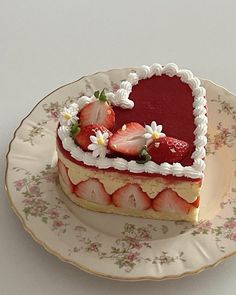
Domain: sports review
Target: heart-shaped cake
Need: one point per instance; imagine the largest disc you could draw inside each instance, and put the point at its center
(139, 151)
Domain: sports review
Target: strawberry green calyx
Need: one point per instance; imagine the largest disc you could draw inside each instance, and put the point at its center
(144, 155)
(100, 95)
(75, 129)
(96, 93)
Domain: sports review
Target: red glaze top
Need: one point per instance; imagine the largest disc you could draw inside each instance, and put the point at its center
(166, 100)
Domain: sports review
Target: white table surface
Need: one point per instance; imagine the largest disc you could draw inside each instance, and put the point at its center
(46, 43)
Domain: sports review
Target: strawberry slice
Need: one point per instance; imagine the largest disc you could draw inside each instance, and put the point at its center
(98, 112)
(63, 171)
(196, 203)
(93, 190)
(168, 149)
(128, 140)
(131, 196)
(82, 138)
(169, 201)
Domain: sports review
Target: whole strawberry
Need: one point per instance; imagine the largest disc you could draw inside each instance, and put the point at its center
(82, 138)
(98, 112)
(168, 149)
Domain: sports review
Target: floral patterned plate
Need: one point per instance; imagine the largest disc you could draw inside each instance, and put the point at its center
(119, 247)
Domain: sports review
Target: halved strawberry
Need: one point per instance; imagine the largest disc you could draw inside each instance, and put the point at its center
(168, 149)
(196, 203)
(82, 138)
(128, 140)
(93, 190)
(63, 171)
(98, 112)
(131, 196)
(170, 201)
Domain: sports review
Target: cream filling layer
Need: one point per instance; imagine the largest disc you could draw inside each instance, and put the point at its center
(112, 181)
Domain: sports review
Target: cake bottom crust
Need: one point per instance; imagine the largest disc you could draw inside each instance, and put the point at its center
(192, 215)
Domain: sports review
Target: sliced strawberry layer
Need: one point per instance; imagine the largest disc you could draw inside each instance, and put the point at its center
(93, 190)
(128, 140)
(97, 112)
(131, 196)
(169, 201)
(196, 203)
(63, 171)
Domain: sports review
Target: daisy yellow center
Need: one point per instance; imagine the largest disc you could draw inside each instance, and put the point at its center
(101, 141)
(67, 116)
(155, 135)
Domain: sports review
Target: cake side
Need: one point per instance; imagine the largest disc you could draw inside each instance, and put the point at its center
(192, 215)
(98, 192)
(119, 193)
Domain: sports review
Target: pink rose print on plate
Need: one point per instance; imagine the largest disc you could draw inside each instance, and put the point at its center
(233, 237)
(19, 184)
(230, 224)
(34, 191)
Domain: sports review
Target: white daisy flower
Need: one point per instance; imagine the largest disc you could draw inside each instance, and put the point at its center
(99, 144)
(74, 108)
(153, 131)
(68, 115)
